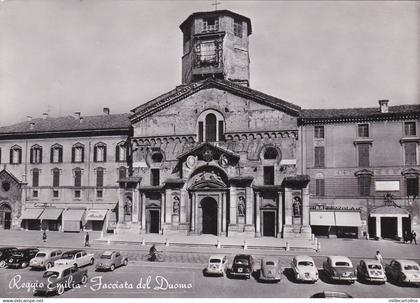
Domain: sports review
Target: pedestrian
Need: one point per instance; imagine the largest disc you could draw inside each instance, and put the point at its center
(87, 239)
(413, 237)
(405, 237)
(44, 236)
(378, 257)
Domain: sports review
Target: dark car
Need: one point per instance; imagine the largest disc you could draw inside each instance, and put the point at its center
(340, 268)
(5, 253)
(242, 266)
(21, 257)
(331, 295)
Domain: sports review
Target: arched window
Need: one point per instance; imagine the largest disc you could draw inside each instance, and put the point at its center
(270, 153)
(211, 126)
(56, 177)
(121, 152)
(35, 154)
(78, 153)
(56, 155)
(99, 152)
(16, 155)
(77, 177)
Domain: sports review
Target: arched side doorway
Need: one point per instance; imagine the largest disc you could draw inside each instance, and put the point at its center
(209, 216)
(5, 216)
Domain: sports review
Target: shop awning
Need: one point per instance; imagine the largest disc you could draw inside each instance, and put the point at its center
(96, 214)
(51, 214)
(389, 211)
(73, 214)
(347, 218)
(322, 218)
(31, 213)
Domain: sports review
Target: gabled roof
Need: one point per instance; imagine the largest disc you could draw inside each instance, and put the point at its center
(5, 171)
(207, 145)
(183, 91)
(68, 124)
(309, 116)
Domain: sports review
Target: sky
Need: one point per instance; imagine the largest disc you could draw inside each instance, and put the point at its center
(82, 55)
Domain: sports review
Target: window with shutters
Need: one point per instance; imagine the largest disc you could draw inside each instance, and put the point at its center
(56, 177)
(210, 126)
(99, 177)
(99, 152)
(154, 176)
(363, 155)
(122, 172)
(35, 156)
(410, 149)
(78, 153)
(237, 28)
(200, 131)
(268, 175)
(412, 187)
(77, 177)
(319, 156)
(320, 187)
(221, 131)
(16, 155)
(121, 152)
(56, 154)
(363, 130)
(35, 177)
(410, 128)
(319, 131)
(364, 185)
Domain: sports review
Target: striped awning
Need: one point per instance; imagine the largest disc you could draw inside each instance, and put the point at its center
(322, 218)
(31, 213)
(73, 214)
(51, 213)
(351, 219)
(96, 214)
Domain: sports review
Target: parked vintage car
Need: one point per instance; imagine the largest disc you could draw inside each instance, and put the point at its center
(270, 270)
(109, 260)
(304, 269)
(61, 277)
(45, 258)
(371, 270)
(5, 254)
(21, 257)
(217, 265)
(403, 271)
(339, 268)
(242, 266)
(331, 295)
(76, 257)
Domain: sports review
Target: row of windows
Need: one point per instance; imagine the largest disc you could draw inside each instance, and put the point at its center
(77, 173)
(364, 186)
(212, 24)
(363, 130)
(363, 154)
(77, 153)
(77, 193)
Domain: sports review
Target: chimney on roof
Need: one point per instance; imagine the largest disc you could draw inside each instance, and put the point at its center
(44, 116)
(32, 125)
(106, 110)
(383, 106)
(29, 118)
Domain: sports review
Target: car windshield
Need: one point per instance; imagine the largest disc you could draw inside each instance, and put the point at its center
(374, 266)
(269, 263)
(48, 274)
(411, 267)
(215, 260)
(67, 256)
(305, 263)
(106, 257)
(40, 255)
(342, 264)
(241, 262)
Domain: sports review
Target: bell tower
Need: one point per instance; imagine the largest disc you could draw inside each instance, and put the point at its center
(216, 44)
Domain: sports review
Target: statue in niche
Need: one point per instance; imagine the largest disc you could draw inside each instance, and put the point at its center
(241, 206)
(128, 205)
(297, 206)
(175, 206)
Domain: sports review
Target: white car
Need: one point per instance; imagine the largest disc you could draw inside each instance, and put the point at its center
(217, 265)
(403, 271)
(45, 258)
(304, 269)
(77, 258)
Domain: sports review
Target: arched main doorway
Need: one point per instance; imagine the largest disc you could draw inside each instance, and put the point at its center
(5, 216)
(209, 207)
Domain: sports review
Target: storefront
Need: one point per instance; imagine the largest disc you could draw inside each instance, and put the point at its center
(95, 219)
(336, 223)
(73, 220)
(51, 218)
(30, 218)
(389, 222)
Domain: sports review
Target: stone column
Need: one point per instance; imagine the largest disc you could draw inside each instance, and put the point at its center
(182, 208)
(194, 201)
(257, 217)
(219, 215)
(143, 212)
(288, 206)
(305, 205)
(378, 226)
(249, 205)
(135, 217)
(233, 201)
(280, 215)
(162, 211)
(168, 208)
(120, 205)
(224, 211)
(399, 227)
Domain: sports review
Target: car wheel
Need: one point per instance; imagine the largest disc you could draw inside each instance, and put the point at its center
(24, 264)
(91, 261)
(112, 267)
(125, 262)
(48, 266)
(84, 279)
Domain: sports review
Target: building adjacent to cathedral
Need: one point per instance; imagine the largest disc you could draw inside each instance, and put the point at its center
(213, 156)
